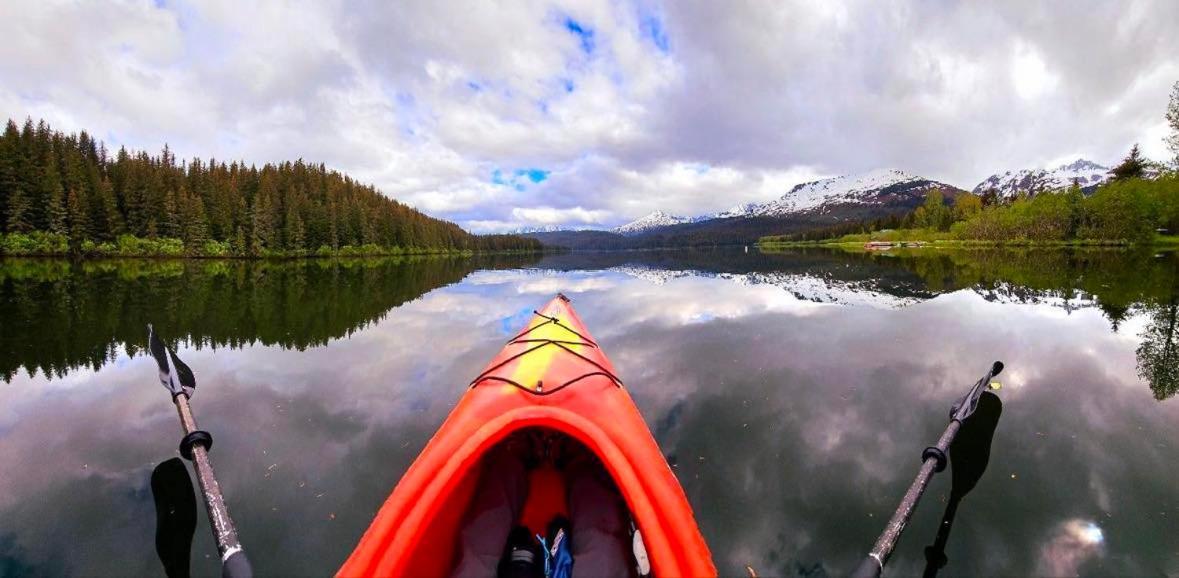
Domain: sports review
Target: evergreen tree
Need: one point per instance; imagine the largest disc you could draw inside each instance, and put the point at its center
(1173, 123)
(57, 214)
(79, 220)
(9, 178)
(193, 227)
(108, 221)
(294, 228)
(1132, 167)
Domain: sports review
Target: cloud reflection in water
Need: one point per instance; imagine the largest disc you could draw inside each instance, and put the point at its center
(793, 425)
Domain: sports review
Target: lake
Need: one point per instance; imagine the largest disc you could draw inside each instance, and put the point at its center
(792, 392)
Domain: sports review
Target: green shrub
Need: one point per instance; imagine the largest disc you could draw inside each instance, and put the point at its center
(213, 248)
(34, 243)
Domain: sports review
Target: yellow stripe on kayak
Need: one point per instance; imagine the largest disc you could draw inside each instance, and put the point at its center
(531, 368)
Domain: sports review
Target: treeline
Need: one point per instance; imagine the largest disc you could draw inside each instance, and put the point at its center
(899, 221)
(1131, 210)
(64, 193)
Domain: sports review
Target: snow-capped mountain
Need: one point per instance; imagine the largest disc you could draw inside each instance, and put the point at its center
(879, 187)
(653, 221)
(1007, 185)
(873, 188)
(742, 210)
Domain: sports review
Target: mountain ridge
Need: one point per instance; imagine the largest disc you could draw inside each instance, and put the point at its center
(1007, 185)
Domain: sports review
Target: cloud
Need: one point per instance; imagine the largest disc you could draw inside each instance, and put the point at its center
(616, 103)
(551, 216)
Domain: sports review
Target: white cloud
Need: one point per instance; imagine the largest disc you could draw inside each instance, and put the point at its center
(551, 216)
(427, 101)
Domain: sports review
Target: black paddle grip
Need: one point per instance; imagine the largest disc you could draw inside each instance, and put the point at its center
(198, 437)
(937, 454)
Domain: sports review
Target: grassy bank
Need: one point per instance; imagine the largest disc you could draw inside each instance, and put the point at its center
(42, 244)
(946, 239)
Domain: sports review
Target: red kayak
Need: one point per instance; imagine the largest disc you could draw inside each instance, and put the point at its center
(551, 379)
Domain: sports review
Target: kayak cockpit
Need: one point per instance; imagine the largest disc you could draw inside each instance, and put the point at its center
(532, 483)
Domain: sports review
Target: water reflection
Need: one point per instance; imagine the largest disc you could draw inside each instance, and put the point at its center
(794, 424)
(969, 455)
(1158, 356)
(60, 315)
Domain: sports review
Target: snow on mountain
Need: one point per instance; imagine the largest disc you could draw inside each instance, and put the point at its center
(653, 221)
(742, 210)
(883, 187)
(1009, 184)
(875, 187)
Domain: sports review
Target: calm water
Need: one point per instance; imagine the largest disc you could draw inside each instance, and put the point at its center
(793, 393)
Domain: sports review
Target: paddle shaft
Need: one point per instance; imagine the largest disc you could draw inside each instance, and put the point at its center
(223, 530)
(878, 557)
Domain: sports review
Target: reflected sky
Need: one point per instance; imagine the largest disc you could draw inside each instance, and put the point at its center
(793, 423)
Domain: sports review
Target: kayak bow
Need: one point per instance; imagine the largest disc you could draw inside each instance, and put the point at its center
(553, 376)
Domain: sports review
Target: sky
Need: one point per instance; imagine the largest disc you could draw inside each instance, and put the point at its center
(532, 113)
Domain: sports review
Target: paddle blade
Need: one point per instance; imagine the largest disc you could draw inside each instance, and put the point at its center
(175, 375)
(176, 516)
(971, 450)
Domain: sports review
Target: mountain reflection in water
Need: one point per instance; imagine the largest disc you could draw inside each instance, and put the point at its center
(793, 393)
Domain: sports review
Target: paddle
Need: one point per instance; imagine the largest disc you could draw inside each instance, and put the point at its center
(969, 455)
(178, 379)
(172, 490)
(933, 460)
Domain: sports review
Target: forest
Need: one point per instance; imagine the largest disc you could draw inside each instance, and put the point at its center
(66, 194)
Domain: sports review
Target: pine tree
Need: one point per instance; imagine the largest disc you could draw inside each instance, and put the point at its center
(261, 221)
(107, 211)
(79, 220)
(1173, 123)
(169, 215)
(193, 225)
(18, 211)
(9, 181)
(1132, 167)
(239, 242)
(57, 214)
(294, 229)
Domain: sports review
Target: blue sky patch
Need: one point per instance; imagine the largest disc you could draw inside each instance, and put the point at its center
(512, 324)
(652, 29)
(584, 34)
(534, 175)
(519, 179)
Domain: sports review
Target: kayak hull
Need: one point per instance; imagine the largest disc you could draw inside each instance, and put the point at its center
(413, 533)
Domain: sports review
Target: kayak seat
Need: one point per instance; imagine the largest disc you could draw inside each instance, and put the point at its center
(548, 458)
